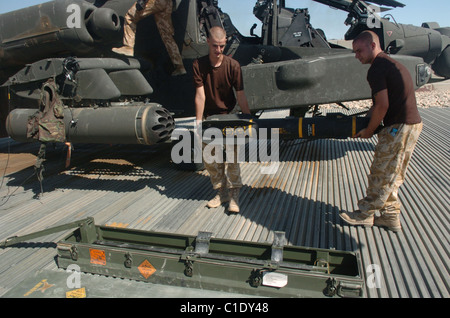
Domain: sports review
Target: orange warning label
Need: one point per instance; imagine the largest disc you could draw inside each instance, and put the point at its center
(146, 269)
(97, 257)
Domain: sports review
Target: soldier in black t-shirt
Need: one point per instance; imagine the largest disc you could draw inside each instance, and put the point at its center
(394, 104)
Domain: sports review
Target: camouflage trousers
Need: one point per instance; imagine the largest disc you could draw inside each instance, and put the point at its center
(393, 152)
(223, 174)
(162, 12)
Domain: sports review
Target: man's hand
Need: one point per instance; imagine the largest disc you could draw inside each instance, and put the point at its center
(377, 113)
(364, 133)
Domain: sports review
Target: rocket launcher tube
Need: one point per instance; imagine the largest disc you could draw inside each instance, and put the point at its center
(146, 124)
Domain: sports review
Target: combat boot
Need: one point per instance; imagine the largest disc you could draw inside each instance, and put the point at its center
(358, 218)
(391, 220)
(221, 197)
(234, 201)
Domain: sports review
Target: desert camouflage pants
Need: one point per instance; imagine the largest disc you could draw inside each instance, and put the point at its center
(222, 174)
(393, 152)
(162, 11)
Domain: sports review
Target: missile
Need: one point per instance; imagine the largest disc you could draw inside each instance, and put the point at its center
(337, 126)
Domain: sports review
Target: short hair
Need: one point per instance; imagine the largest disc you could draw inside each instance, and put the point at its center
(217, 32)
(368, 37)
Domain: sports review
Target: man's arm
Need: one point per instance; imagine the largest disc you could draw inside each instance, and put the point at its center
(200, 99)
(242, 101)
(378, 111)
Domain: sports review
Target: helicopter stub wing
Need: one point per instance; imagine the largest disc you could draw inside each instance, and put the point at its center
(346, 5)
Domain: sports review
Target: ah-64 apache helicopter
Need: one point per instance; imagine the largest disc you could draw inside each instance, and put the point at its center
(106, 95)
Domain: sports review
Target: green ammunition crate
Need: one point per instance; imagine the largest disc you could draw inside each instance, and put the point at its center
(205, 262)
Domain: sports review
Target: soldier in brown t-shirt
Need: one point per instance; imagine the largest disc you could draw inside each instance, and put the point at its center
(216, 78)
(394, 104)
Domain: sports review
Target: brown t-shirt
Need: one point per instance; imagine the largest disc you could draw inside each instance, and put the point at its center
(218, 83)
(387, 73)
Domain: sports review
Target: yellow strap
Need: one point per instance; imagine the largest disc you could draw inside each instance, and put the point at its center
(353, 126)
(300, 127)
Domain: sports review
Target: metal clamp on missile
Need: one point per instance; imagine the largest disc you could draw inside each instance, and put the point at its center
(231, 126)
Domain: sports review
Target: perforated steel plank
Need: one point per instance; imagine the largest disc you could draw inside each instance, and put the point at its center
(136, 187)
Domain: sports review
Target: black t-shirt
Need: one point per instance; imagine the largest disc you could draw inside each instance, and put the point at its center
(387, 73)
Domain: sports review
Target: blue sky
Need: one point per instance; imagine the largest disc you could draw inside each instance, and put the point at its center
(330, 20)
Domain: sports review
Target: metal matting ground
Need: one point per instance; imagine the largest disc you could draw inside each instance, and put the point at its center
(136, 187)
